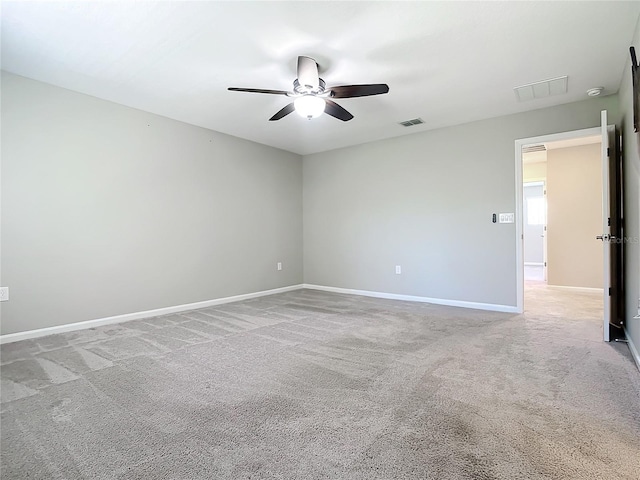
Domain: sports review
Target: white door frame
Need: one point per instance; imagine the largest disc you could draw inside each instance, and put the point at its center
(519, 234)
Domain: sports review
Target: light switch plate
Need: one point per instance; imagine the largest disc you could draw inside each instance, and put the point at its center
(507, 218)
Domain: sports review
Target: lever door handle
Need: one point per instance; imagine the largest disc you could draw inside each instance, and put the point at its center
(606, 237)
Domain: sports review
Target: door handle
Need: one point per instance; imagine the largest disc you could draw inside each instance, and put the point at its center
(606, 237)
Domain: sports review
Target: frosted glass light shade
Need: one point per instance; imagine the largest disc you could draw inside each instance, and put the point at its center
(309, 106)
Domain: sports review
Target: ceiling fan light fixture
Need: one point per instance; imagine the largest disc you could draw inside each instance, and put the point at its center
(312, 99)
(309, 106)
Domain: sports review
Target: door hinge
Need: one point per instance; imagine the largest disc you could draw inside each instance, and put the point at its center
(608, 152)
(545, 264)
(609, 222)
(610, 291)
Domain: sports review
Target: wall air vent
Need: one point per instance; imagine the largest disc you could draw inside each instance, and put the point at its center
(534, 148)
(411, 123)
(542, 89)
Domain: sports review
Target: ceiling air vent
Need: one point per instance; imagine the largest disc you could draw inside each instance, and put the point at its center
(541, 89)
(534, 148)
(411, 123)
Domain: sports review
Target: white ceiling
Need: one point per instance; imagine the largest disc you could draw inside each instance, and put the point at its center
(446, 62)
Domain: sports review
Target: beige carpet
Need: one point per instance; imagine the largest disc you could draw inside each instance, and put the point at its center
(312, 385)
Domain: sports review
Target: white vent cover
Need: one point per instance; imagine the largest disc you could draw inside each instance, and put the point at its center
(534, 148)
(542, 89)
(411, 123)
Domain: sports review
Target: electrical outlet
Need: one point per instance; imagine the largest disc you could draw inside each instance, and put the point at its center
(279, 266)
(398, 269)
(4, 294)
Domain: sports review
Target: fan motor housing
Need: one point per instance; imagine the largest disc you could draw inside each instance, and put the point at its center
(305, 90)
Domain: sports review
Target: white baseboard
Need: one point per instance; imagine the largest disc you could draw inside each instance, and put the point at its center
(534, 264)
(576, 289)
(634, 351)
(412, 298)
(70, 327)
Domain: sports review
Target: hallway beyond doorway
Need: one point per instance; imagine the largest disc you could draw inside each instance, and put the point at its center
(533, 273)
(584, 308)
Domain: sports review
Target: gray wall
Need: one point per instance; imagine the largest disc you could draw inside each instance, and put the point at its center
(631, 159)
(108, 210)
(574, 216)
(425, 201)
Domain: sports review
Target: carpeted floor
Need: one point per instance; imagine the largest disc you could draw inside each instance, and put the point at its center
(313, 385)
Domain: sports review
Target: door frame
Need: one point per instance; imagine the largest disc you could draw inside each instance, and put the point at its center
(519, 230)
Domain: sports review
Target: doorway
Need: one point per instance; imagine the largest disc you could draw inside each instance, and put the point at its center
(534, 218)
(554, 245)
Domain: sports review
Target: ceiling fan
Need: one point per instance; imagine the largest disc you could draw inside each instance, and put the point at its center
(312, 98)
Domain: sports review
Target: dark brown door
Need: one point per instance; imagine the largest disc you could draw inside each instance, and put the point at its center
(612, 232)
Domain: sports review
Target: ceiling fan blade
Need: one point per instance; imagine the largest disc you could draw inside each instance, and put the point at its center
(350, 91)
(335, 110)
(308, 72)
(283, 112)
(257, 90)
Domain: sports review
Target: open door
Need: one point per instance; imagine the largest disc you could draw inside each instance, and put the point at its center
(534, 219)
(612, 239)
(544, 235)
